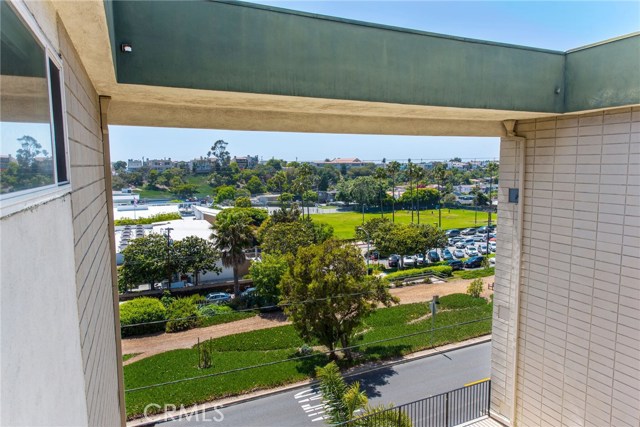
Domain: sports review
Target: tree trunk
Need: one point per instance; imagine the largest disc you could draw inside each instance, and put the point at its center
(236, 285)
(345, 348)
(393, 202)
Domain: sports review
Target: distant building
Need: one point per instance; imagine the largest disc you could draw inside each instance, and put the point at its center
(202, 165)
(6, 160)
(134, 165)
(347, 162)
(246, 162)
(160, 165)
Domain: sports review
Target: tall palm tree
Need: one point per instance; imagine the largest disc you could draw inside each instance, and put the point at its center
(439, 173)
(232, 234)
(420, 174)
(381, 177)
(392, 170)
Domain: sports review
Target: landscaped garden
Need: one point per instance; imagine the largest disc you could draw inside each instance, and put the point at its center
(344, 223)
(388, 332)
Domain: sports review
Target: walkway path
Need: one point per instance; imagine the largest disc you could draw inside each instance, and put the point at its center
(154, 344)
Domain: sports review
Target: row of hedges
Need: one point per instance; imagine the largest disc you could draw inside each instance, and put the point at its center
(169, 314)
(148, 220)
(474, 274)
(440, 270)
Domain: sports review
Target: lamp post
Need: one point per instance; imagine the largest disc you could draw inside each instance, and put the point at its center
(433, 306)
(368, 239)
(168, 231)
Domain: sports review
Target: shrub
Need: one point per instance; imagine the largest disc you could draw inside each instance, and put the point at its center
(182, 314)
(458, 301)
(148, 220)
(142, 310)
(473, 274)
(475, 288)
(167, 299)
(214, 309)
(442, 269)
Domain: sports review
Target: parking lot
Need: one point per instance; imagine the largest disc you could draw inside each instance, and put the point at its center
(465, 250)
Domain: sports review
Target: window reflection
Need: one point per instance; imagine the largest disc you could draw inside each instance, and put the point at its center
(26, 149)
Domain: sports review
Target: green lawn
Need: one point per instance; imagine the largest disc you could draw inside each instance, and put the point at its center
(204, 189)
(281, 343)
(344, 223)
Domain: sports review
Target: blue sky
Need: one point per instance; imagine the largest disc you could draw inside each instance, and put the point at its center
(543, 24)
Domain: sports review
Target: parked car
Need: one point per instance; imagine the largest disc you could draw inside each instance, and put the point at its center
(492, 261)
(474, 262)
(453, 240)
(419, 259)
(447, 255)
(461, 244)
(218, 297)
(492, 246)
(471, 251)
(468, 232)
(482, 248)
(393, 261)
(433, 256)
(455, 264)
(248, 292)
(408, 261)
(458, 253)
(479, 238)
(469, 242)
(453, 233)
(374, 255)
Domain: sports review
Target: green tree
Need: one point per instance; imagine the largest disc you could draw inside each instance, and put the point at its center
(197, 256)
(255, 186)
(225, 192)
(184, 191)
(343, 401)
(278, 182)
(285, 199)
(222, 157)
(243, 202)
(407, 239)
(331, 279)
(363, 191)
(309, 196)
(120, 165)
(232, 234)
(266, 275)
(303, 181)
(449, 199)
(288, 237)
(147, 259)
(439, 173)
(475, 288)
(380, 176)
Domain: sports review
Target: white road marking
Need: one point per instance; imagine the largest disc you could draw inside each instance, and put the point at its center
(309, 395)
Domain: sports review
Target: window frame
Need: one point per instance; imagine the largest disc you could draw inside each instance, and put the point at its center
(23, 199)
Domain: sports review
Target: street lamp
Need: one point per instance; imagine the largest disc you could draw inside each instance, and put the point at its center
(433, 306)
(368, 239)
(168, 231)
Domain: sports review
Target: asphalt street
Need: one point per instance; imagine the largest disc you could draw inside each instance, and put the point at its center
(397, 384)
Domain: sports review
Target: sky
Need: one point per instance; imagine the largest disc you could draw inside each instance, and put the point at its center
(543, 24)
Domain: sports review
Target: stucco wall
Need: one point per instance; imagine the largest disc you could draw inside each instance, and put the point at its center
(91, 238)
(41, 376)
(579, 324)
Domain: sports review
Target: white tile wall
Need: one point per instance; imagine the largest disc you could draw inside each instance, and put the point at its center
(579, 336)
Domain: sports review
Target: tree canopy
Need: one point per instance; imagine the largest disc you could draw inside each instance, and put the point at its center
(327, 293)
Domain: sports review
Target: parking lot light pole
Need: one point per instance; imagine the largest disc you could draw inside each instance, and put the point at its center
(432, 305)
(368, 239)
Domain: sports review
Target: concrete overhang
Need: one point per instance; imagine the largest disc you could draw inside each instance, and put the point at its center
(231, 65)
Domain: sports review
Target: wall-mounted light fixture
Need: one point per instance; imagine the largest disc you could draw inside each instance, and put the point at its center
(126, 48)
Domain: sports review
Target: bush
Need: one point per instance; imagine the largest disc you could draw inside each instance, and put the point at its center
(149, 220)
(441, 269)
(458, 301)
(474, 274)
(182, 314)
(142, 310)
(475, 288)
(214, 309)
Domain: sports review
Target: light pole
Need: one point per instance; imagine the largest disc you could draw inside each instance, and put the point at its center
(168, 230)
(433, 306)
(368, 239)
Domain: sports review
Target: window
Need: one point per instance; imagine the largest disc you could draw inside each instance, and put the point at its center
(32, 137)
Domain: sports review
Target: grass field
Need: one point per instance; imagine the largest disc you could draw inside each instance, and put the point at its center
(282, 343)
(204, 189)
(344, 223)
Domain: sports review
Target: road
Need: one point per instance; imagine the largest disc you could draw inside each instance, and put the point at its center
(398, 384)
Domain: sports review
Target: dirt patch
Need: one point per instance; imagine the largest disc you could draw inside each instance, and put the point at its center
(151, 345)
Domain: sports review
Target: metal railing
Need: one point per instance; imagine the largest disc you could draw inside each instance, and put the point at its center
(443, 410)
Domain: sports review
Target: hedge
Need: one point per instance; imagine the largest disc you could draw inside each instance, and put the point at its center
(142, 310)
(182, 314)
(440, 270)
(148, 220)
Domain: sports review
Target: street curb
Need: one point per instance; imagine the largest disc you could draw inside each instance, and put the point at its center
(363, 369)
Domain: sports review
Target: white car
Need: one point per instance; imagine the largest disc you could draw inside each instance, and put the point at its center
(492, 246)
(458, 253)
(460, 245)
(482, 248)
(408, 261)
(419, 259)
(492, 261)
(471, 251)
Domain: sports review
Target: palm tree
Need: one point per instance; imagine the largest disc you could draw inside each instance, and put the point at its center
(419, 174)
(381, 177)
(232, 234)
(439, 173)
(392, 170)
